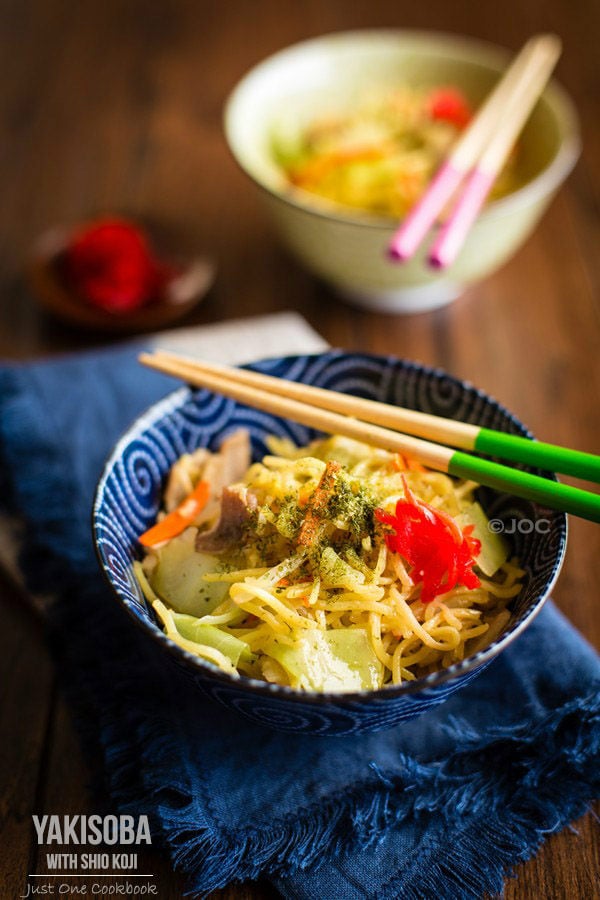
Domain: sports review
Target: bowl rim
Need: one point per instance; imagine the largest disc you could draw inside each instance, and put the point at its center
(546, 180)
(242, 682)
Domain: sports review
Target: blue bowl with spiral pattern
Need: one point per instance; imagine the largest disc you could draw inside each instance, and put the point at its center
(128, 498)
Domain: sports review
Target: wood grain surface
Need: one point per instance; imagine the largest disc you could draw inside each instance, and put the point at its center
(116, 106)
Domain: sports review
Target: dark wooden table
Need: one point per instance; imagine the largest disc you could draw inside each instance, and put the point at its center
(117, 106)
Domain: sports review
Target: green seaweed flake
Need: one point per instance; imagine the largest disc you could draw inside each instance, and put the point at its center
(288, 520)
(353, 504)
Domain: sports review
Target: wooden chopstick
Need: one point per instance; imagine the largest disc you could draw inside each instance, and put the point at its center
(430, 454)
(454, 462)
(424, 425)
(468, 148)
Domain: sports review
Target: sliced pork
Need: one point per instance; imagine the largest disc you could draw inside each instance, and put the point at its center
(236, 505)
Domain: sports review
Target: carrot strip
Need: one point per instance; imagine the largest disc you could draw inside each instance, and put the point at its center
(404, 463)
(320, 166)
(399, 463)
(178, 520)
(317, 504)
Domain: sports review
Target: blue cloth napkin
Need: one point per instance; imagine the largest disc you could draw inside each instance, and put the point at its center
(440, 807)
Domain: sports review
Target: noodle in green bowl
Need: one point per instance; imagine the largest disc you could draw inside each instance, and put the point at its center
(337, 132)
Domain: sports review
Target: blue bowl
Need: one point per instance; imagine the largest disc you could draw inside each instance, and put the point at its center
(128, 497)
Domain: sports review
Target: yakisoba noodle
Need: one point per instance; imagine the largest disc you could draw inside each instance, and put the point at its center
(380, 155)
(309, 571)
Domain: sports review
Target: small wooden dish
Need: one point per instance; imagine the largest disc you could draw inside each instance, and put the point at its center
(182, 294)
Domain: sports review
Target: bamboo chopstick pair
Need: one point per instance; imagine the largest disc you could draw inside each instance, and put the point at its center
(403, 431)
(478, 156)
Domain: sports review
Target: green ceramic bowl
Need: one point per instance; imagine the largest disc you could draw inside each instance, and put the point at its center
(345, 248)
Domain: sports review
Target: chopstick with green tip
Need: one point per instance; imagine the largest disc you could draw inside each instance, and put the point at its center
(434, 428)
(370, 421)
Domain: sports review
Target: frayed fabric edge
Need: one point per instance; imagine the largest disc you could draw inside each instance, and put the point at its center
(564, 759)
(502, 821)
(549, 776)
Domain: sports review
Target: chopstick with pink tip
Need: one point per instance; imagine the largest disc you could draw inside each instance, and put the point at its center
(468, 149)
(481, 180)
